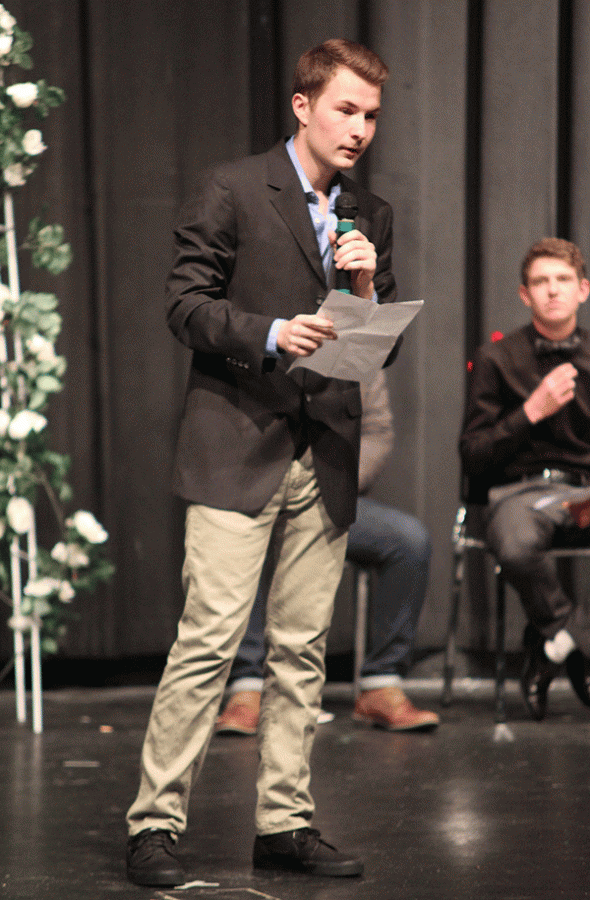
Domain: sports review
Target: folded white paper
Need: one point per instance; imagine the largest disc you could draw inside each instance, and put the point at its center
(367, 332)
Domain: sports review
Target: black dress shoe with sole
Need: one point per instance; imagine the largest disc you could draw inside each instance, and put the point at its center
(303, 850)
(538, 673)
(151, 860)
(578, 670)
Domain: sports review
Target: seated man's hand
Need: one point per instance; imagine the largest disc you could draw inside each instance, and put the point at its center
(302, 335)
(556, 389)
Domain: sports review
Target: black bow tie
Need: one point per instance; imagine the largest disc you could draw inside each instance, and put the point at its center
(568, 345)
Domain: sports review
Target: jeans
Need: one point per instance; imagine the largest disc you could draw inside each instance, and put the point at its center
(397, 546)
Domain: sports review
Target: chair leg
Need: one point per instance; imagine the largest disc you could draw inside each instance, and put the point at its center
(360, 631)
(500, 645)
(451, 645)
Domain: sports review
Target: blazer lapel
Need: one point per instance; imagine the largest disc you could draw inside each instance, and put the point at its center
(289, 200)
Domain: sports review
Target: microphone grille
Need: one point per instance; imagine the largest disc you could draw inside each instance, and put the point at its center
(346, 206)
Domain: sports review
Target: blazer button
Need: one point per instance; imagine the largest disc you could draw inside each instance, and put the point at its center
(319, 301)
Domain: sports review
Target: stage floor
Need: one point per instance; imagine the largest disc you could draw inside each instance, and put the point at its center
(468, 812)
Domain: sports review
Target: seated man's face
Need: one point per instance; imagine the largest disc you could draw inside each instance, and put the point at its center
(553, 294)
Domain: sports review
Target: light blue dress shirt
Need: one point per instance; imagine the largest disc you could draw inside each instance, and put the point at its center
(321, 225)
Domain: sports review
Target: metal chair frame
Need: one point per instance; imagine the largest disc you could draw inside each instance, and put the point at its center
(362, 581)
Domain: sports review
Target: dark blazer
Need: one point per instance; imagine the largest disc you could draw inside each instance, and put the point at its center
(247, 254)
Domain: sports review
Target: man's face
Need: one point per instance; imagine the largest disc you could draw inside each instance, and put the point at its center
(338, 126)
(553, 294)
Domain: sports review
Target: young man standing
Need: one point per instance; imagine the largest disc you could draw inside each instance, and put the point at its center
(527, 436)
(267, 461)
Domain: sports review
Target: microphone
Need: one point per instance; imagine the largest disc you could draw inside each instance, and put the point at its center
(346, 209)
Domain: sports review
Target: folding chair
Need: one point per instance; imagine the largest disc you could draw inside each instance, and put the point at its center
(462, 542)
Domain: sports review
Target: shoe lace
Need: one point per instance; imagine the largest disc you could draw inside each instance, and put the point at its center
(305, 835)
(154, 839)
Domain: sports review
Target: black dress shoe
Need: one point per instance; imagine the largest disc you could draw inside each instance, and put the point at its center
(151, 860)
(578, 670)
(303, 850)
(538, 673)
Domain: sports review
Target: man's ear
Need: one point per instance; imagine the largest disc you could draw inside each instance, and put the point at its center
(524, 295)
(300, 104)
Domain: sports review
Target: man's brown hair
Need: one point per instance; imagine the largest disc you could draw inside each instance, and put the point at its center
(556, 248)
(317, 66)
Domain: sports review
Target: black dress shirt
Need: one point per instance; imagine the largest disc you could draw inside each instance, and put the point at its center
(498, 443)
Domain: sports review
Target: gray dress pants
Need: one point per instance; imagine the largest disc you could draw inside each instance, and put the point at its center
(524, 520)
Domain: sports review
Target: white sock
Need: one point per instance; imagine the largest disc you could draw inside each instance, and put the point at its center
(560, 647)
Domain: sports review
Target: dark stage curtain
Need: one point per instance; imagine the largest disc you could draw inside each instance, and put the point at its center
(482, 148)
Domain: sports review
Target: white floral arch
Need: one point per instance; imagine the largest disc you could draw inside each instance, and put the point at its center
(39, 584)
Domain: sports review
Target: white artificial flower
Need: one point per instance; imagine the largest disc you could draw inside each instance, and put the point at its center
(70, 555)
(7, 22)
(4, 422)
(20, 514)
(40, 607)
(86, 525)
(15, 175)
(20, 623)
(23, 94)
(33, 142)
(66, 592)
(60, 553)
(42, 587)
(5, 44)
(40, 347)
(76, 557)
(24, 423)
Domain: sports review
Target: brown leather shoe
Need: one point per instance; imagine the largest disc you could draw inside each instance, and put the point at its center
(389, 708)
(241, 714)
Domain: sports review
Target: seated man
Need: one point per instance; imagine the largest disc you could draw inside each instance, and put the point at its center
(398, 547)
(527, 433)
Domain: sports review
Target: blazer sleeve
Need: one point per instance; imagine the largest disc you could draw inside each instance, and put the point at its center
(198, 310)
(384, 280)
(376, 431)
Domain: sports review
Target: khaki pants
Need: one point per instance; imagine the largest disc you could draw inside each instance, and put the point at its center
(225, 552)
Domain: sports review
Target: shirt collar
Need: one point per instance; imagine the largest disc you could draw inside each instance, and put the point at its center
(310, 194)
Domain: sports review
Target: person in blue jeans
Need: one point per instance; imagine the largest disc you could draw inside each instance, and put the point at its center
(397, 546)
